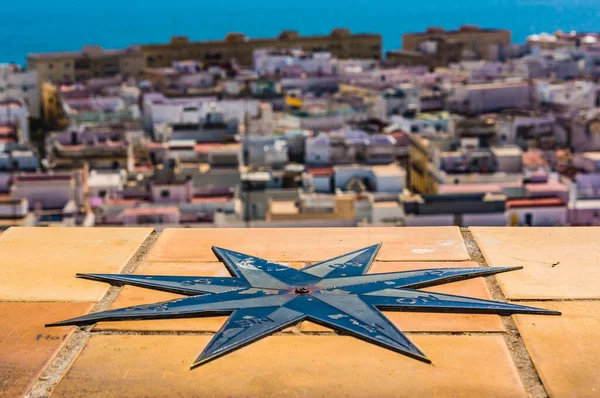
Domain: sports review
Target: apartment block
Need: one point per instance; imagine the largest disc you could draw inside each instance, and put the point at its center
(18, 83)
(341, 43)
(90, 61)
(474, 39)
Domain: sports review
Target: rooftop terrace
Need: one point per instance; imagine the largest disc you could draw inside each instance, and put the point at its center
(472, 355)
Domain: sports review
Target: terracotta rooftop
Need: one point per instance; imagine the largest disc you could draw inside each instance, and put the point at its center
(534, 202)
(472, 355)
(143, 211)
(211, 199)
(207, 147)
(320, 171)
(42, 177)
(532, 159)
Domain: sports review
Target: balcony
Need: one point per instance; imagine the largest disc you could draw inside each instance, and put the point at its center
(472, 355)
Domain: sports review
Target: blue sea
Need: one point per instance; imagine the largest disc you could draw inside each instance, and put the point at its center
(44, 25)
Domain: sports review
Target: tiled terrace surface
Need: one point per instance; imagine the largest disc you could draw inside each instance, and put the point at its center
(472, 355)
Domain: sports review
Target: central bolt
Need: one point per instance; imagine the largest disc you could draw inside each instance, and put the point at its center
(302, 290)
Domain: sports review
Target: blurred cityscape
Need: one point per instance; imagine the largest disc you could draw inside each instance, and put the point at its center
(458, 127)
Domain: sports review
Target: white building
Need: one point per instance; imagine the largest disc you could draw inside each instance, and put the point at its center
(424, 122)
(14, 112)
(519, 127)
(105, 185)
(509, 159)
(265, 151)
(533, 212)
(481, 71)
(389, 178)
(398, 101)
(320, 118)
(16, 83)
(18, 160)
(387, 213)
(592, 61)
(578, 94)
(263, 123)
(159, 109)
(270, 62)
(342, 175)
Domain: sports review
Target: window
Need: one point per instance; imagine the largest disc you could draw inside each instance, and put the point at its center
(165, 193)
(67, 65)
(50, 66)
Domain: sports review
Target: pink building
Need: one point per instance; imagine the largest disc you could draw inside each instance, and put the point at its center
(168, 187)
(45, 191)
(551, 188)
(150, 215)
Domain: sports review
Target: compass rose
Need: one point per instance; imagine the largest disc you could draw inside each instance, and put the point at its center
(263, 297)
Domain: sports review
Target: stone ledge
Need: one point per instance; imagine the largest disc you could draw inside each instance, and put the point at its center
(152, 358)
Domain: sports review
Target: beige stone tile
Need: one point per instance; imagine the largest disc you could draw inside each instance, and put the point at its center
(432, 322)
(26, 346)
(557, 262)
(291, 366)
(311, 244)
(39, 264)
(565, 349)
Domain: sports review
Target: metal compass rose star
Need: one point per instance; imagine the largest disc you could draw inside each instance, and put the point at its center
(263, 297)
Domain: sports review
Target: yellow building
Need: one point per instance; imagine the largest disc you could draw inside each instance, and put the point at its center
(473, 38)
(52, 112)
(420, 176)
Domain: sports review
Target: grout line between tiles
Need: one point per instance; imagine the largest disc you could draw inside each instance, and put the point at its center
(583, 299)
(294, 332)
(309, 262)
(59, 365)
(520, 356)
